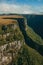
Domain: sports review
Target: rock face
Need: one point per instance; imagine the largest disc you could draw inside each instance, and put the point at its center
(7, 50)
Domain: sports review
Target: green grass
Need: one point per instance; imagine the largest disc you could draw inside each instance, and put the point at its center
(28, 56)
(34, 36)
(14, 35)
(35, 57)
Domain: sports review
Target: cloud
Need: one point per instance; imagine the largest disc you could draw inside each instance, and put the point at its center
(11, 8)
(20, 9)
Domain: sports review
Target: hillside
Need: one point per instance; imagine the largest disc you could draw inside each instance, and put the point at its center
(28, 56)
(34, 36)
(36, 23)
(29, 44)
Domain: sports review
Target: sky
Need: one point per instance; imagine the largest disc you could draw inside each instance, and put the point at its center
(21, 6)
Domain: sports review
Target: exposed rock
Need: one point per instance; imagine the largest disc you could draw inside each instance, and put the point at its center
(6, 54)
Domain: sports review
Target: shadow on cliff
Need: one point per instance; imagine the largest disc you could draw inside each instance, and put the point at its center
(28, 40)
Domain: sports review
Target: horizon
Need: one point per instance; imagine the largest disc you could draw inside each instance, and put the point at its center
(19, 14)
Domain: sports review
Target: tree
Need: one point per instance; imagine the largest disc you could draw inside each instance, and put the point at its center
(4, 28)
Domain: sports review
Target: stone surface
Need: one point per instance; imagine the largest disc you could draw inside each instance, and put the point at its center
(6, 55)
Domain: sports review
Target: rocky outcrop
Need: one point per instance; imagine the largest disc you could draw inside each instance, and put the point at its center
(7, 50)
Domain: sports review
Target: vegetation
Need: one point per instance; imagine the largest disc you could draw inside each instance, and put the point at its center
(27, 56)
(35, 37)
(13, 34)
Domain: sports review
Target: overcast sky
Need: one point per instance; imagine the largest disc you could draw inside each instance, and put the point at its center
(21, 6)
